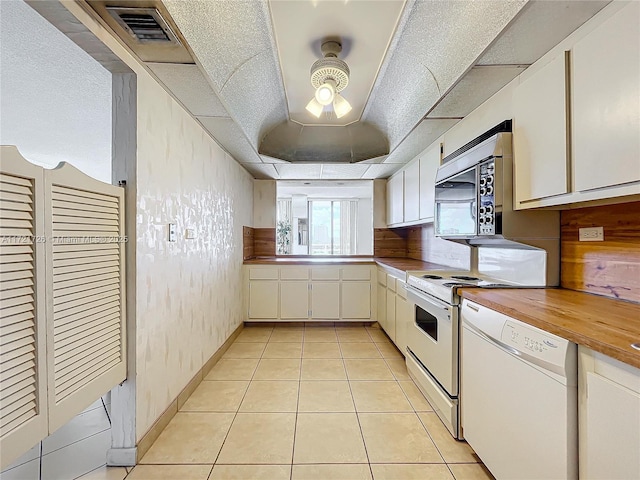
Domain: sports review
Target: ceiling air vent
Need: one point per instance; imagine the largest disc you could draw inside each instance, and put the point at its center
(146, 25)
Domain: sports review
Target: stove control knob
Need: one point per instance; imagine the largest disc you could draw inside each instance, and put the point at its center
(489, 209)
(483, 191)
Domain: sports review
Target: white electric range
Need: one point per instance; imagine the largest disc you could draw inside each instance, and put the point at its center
(433, 340)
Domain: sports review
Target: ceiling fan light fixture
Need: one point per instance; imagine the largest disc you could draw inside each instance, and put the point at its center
(341, 106)
(315, 108)
(326, 92)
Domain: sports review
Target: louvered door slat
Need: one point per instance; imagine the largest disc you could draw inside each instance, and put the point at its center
(64, 370)
(25, 325)
(6, 250)
(68, 262)
(57, 219)
(18, 351)
(11, 319)
(16, 214)
(18, 360)
(10, 197)
(15, 188)
(66, 299)
(83, 250)
(92, 351)
(8, 339)
(83, 203)
(80, 339)
(74, 213)
(16, 258)
(88, 272)
(17, 310)
(22, 411)
(82, 377)
(24, 384)
(15, 267)
(99, 263)
(13, 180)
(84, 280)
(16, 301)
(89, 315)
(82, 208)
(85, 303)
(16, 275)
(15, 403)
(6, 206)
(63, 293)
(14, 285)
(17, 370)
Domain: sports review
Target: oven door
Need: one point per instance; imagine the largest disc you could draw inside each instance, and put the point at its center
(433, 338)
(456, 210)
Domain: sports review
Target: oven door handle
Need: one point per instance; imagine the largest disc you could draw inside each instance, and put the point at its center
(422, 297)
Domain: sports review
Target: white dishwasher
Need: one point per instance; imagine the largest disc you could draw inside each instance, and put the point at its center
(518, 396)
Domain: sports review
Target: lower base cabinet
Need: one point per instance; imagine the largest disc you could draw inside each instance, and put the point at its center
(301, 293)
(609, 416)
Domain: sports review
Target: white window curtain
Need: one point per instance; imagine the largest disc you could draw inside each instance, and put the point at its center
(348, 226)
(283, 226)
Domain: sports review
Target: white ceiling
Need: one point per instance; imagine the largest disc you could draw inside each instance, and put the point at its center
(418, 67)
(365, 31)
(326, 189)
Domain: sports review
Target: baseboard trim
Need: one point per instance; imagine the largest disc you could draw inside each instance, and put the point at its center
(121, 457)
(160, 424)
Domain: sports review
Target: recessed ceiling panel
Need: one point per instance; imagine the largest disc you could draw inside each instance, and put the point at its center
(382, 170)
(229, 135)
(298, 171)
(478, 85)
(261, 171)
(188, 84)
(540, 26)
(365, 28)
(427, 132)
(344, 171)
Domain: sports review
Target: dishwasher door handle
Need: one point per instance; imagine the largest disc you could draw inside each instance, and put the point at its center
(496, 342)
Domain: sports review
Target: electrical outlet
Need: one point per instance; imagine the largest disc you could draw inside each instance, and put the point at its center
(592, 234)
(172, 232)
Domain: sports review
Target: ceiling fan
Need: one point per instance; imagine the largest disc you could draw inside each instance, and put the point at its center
(329, 76)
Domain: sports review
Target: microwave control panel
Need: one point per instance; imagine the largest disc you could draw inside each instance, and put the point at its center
(486, 211)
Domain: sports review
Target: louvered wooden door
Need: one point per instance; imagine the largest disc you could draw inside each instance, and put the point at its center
(85, 258)
(62, 284)
(23, 394)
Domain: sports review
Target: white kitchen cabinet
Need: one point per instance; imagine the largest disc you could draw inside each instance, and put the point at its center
(390, 322)
(356, 300)
(605, 101)
(325, 300)
(540, 133)
(263, 299)
(609, 413)
(294, 300)
(429, 163)
(412, 192)
(395, 199)
(382, 299)
(403, 316)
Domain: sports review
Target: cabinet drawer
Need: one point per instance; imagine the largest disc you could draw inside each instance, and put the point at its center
(356, 273)
(391, 282)
(294, 273)
(325, 273)
(382, 277)
(263, 273)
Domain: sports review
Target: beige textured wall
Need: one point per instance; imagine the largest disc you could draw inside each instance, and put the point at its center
(189, 292)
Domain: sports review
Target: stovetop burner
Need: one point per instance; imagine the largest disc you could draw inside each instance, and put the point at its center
(453, 284)
(464, 277)
(432, 277)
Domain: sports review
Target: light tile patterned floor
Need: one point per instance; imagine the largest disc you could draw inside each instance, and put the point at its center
(314, 402)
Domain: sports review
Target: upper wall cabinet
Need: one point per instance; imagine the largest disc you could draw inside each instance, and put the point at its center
(429, 163)
(540, 133)
(412, 192)
(395, 199)
(606, 103)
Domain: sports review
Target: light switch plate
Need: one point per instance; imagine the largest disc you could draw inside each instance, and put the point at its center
(172, 232)
(591, 234)
(190, 233)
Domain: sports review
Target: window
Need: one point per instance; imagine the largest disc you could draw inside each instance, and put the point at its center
(324, 218)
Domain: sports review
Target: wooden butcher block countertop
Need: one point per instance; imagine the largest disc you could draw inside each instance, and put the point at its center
(603, 324)
(399, 263)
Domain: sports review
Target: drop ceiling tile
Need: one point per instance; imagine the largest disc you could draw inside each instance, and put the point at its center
(427, 132)
(337, 171)
(540, 26)
(261, 171)
(299, 171)
(477, 86)
(382, 170)
(188, 84)
(229, 135)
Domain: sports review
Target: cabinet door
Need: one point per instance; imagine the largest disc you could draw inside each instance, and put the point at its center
(403, 318)
(412, 192)
(294, 300)
(612, 431)
(356, 300)
(395, 199)
(325, 300)
(606, 109)
(382, 304)
(390, 327)
(540, 133)
(263, 299)
(429, 163)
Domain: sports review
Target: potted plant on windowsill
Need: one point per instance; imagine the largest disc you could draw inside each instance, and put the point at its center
(283, 237)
